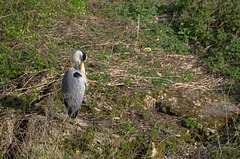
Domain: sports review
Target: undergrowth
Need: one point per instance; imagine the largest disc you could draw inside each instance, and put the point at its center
(125, 41)
(27, 43)
(212, 27)
(207, 28)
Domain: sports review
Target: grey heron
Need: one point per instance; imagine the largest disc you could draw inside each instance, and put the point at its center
(74, 84)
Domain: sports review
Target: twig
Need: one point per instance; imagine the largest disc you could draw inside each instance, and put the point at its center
(33, 76)
(138, 27)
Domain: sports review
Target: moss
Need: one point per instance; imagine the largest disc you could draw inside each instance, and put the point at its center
(208, 109)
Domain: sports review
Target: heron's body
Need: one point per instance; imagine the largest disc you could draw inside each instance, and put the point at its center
(74, 84)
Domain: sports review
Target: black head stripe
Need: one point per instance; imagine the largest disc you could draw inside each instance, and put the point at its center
(77, 75)
(84, 57)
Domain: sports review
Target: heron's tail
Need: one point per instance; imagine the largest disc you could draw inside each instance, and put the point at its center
(72, 114)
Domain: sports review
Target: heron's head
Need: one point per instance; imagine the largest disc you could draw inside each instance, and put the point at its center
(79, 57)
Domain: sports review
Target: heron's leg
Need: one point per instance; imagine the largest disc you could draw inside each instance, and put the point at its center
(65, 118)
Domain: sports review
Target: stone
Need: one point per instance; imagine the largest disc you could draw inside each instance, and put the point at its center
(211, 111)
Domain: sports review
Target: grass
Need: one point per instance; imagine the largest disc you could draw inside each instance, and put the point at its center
(210, 27)
(25, 26)
(133, 47)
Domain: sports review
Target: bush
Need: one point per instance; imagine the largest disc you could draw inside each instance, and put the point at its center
(212, 27)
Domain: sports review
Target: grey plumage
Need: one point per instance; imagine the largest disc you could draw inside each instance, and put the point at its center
(74, 84)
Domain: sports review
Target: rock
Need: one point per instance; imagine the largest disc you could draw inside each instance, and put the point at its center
(212, 112)
(149, 101)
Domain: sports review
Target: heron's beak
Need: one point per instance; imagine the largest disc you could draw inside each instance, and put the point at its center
(81, 67)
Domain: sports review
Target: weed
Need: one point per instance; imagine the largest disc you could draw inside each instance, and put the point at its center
(191, 123)
(186, 76)
(94, 77)
(127, 81)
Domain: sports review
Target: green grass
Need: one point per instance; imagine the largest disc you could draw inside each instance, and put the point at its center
(25, 27)
(210, 27)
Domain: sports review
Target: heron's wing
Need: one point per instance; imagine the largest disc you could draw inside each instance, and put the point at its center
(73, 90)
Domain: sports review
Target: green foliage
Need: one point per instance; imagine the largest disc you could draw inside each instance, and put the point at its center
(133, 9)
(191, 123)
(23, 28)
(213, 28)
(210, 28)
(127, 81)
(152, 34)
(124, 125)
(186, 75)
(94, 77)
